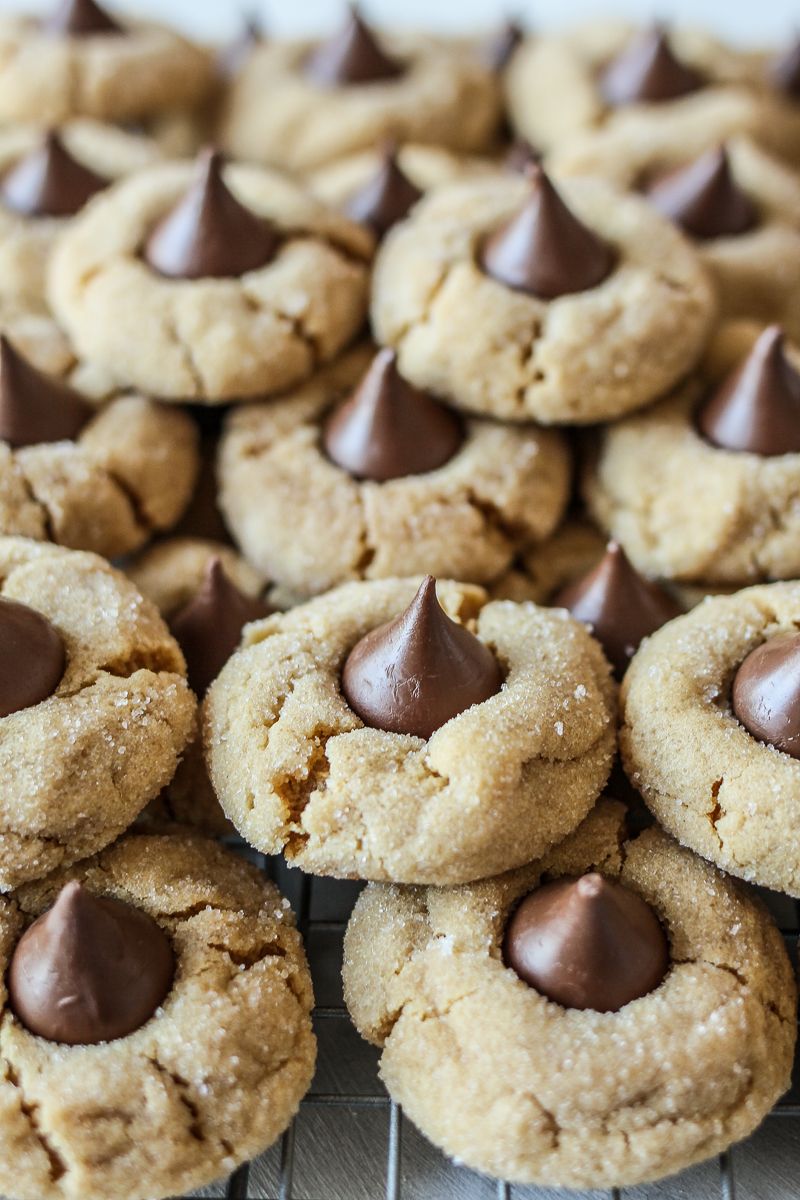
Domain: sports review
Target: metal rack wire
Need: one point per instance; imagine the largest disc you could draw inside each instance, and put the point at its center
(322, 907)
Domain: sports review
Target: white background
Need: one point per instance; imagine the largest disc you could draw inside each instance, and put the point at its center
(756, 20)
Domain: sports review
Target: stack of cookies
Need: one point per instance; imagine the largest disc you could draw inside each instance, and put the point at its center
(423, 507)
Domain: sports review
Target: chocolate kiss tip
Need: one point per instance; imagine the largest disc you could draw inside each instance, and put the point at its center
(32, 657)
(587, 943)
(784, 71)
(351, 56)
(704, 199)
(418, 671)
(544, 249)
(766, 693)
(81, 18)
(49, 182)
(90, 970)
(619, 605)
(385, 198)
(35, 407)
(756, 409)
(389, 429)
(209, 233)
(208, 628)
(647, 71)
(499, 50)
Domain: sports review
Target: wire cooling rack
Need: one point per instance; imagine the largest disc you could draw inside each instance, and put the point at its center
(351, 1142)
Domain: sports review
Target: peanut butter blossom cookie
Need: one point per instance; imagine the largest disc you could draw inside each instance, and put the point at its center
(210, 283)
(383, 478)
(711, 731)
(373, 733)
(81, 61)
(728, 449)
(156, 1027)
(95, 707)
(523, 300)
(298, 105)
(91, 475)
(581, 1022)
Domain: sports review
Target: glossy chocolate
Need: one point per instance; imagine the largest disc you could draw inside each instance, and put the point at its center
(385, 198)
(209, 233)
(587, 943)
(35, 407)
(647, 72)
(32, 657)
(757, 407)
(89, 970)
(49, 182)
(81, 18)
(209, 627)
(766, 693)
(545, 249)
(416, 672)
(351, 56)
(388, 429)
(703, 198)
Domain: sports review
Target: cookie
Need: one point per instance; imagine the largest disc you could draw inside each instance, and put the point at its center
(686, 739)
(725, 448)
(45, 179)
(491, 781)
(88, 473)
(451, 985)
(546, 568)
(104, 714)
(209, 284)
(525, 301)
(203, 1083)
(298, 105)
(383, 480)
(81, 62)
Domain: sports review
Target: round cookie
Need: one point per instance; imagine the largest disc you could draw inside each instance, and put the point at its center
(282, 111)
(701, 91)
(708, 781)
(209, 1081)
(80, 63)
(517, 1086)
(100, 472)
(497, 489)
(655, 471)
(45, 179)
(297, 770)
(81, 763)
(286, 291)
(588, 354)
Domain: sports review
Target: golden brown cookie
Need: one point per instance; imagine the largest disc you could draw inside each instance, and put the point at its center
(514, 1084)
(108, 729)
(209, 1081)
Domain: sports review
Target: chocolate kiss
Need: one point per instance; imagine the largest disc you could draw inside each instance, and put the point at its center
(757, 407)
(388, 429)
(415, 673)
(766, 693)
(619, 605)
(351, 56)
(385, 198)
(587, 943)
(521, 157)
(544, 249)
(90, 970)
(785, 71)
(500, 48)
(208, 628)
(648, 72)
(32, 658)
(35, 407)
(704, 199)
(209, 233)
(81, 18)
(49, 182)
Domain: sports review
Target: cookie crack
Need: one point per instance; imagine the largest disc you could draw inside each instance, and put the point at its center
(182, 1091)
(427, 307)
(57, 1165)
(716, 811)
(249, 959)
(295, 323)
(170, 326)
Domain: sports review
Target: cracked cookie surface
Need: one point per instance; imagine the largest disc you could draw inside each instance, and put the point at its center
(81, 764)
(209, 1081)
(296, 770)
(210, 340)
(517, 1086)
(583, 357)
(505, 488)
(707, 780)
